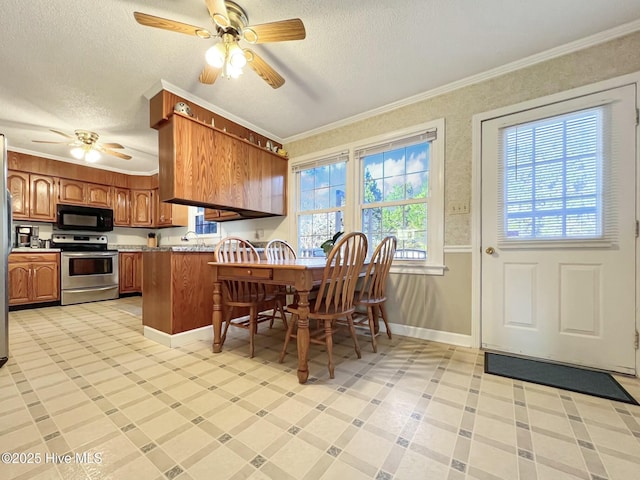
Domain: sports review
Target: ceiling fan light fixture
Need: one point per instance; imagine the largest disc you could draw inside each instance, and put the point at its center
(236, 56)
(231, 71)
(77, 153)
(91, 156)
(216, 55)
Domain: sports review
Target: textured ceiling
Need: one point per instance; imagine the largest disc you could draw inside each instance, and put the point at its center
(87, 64)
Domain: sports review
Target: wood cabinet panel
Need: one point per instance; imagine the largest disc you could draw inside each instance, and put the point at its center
(141, 208)
(130, 272)
(33, 278)
(32, 196)
(170, 214)
(19, 281)
(212, 215)
(45, 166)
(201, 165)
(45, 282)
(18, 185)
(42, 198)
(121, 207)
(71, 191)
(161, 108)
(177, 290)
(98, 195)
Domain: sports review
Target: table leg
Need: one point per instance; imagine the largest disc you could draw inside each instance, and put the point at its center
(303, 336)
(217, 317)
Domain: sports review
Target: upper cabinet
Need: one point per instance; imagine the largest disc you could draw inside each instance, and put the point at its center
(202, 165)
(98, 195)
(71, 191)
(170, 214)
(141, 208)
(18, 185)
(83, 193)
(33, 196)
(121, 207)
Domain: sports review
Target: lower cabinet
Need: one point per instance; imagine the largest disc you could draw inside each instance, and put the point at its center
(34, 278)
(130, 272)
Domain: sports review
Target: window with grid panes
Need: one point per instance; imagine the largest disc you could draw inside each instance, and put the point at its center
(397, 195)
(321, 188)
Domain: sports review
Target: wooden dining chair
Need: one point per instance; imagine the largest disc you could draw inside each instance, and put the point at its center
(335, 298)
(372, 293)
(277, 249)
(257, 297)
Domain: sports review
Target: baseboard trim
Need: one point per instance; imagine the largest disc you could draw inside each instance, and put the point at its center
(206, 334)
(179, 339)
(421, 333)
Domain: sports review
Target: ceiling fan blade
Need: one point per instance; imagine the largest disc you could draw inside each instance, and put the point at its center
(111, 145)
(262, 68)
(282, 31)
(63, 134)
(166, 24)
(115, 154)
(209, 74)
(218, 11)
(45, 141)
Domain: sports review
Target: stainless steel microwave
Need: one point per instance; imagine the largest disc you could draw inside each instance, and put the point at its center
(76, 217)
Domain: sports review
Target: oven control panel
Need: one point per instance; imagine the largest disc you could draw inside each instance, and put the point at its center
(78, 242)
(71, 238)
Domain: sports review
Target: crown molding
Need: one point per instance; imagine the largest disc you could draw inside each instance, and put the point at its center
(555, 52)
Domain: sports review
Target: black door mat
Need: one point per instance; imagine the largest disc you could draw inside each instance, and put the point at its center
(581, 380)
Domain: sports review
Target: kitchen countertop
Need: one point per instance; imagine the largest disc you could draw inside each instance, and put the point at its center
(163, 248)
(168, 248)
(34, 250)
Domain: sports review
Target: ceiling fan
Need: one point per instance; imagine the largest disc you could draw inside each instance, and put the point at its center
(85, 145)
(232, 25)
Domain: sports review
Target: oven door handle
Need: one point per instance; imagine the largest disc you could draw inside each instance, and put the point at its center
(90, 254)
(85, 290)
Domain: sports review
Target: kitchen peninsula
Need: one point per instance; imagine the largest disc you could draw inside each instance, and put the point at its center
(177, 299)
(177, 293)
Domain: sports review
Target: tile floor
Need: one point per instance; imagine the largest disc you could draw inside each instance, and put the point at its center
(86, 396)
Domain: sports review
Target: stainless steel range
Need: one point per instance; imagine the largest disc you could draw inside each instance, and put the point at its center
(88, 270)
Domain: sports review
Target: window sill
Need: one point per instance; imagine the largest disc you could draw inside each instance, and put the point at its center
(418, 269)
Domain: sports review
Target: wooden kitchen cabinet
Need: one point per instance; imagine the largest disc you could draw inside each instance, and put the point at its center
(83, 193)
(177, 290)
(33, 278)
(121, 207)
(18, 185)
(130, 272)
(170, 214)
(212, 215)
(202, 165)
(98, 195)
(71, 191)
(141, 208)
(32, 196)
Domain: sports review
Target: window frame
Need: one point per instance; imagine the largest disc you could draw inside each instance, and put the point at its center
(329, 159)
(352, 217)
(602, 172)
(193, 212)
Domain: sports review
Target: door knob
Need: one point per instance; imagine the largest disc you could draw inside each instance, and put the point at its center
(490, 250)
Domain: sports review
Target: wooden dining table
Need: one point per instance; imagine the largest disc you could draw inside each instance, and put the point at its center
(301, 274)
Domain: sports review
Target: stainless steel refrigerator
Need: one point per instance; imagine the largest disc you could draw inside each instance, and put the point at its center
(5, 249)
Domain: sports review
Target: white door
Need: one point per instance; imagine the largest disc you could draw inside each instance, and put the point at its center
(559, 231)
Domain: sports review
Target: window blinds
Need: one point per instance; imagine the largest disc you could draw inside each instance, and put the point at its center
(557, 179)
(427, 136)
(322, 161)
